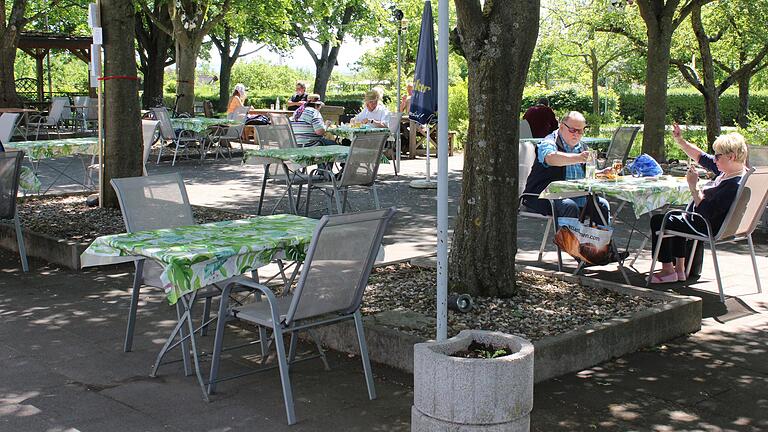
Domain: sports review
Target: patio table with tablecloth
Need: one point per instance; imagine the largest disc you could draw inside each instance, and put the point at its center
(199, 124)
(39, 150)
(350, 132)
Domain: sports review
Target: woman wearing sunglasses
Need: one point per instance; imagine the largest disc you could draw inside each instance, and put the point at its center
(711, 200)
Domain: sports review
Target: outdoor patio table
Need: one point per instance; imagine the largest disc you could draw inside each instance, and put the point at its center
(346, 131)
(303, 156)
(199, 124)
(196, 256)
(37, 151)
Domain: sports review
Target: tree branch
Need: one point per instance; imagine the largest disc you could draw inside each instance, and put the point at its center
(689, 74)
(637, 42)
(158, 23)
(305, 42)
(686, 10)
(208, 26)
(744, 69)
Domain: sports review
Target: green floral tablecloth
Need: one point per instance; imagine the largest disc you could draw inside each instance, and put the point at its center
(301, 155)
(28, 181)
(645, 193)
(196, 256)
(46, 149)
(350, 132)
(199, 124)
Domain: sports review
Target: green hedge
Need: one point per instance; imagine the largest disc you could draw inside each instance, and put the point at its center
(688, 106)
(570, 99)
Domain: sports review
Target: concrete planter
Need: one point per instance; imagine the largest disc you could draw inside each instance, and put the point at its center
(50, 249)
(462, 394)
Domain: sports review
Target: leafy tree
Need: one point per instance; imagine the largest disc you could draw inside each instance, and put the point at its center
(155, 50)
(497, 39)
(325, 23)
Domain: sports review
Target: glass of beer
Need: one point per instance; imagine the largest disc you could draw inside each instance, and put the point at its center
(617, 166)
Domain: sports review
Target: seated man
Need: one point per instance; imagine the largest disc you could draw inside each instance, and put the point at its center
(541, 118)
(561, 156)
(374, 112)
(307, 124)
(299, 98)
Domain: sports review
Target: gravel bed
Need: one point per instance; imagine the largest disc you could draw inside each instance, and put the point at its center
(67, 217)
(543, 306)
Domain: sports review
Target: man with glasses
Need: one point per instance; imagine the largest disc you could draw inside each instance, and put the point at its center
(561, 156)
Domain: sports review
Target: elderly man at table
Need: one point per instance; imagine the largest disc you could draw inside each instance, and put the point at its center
(374, 112)
(299, 98)
(307, 124)
(561, 156)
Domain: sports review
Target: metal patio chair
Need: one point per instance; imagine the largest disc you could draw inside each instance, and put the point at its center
(739, 224)
(330, 290)
(7, 125)
(621, 144)
(10, 170)
(150, 133)
(525, 129)
(167, 133)
(526, 156)
(52, 120)
(394, 122)
(360, 169)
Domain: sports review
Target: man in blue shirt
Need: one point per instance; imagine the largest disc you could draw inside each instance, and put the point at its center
(561, 156)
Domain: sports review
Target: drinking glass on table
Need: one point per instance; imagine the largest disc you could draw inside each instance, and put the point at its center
(617, 165)
(590, 167)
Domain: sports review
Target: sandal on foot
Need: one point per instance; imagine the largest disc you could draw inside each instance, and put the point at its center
(662, 279)
(681, 277)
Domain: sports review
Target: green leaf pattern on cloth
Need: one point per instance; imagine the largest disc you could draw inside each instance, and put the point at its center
(645, 193)
(28, 181)
(47, 149)
(199, 124)
(301, 155)
(349, 132)
(197, 256)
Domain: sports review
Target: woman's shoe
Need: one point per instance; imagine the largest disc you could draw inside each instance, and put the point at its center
(681, 277)
(662, 279)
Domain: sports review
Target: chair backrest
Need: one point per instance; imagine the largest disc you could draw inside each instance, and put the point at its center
(275, 135)
(10, 170)
(621, 144)
(238, 114)
(394, 123)
(525, 129)
(166, 128)
(153, 202)
(362, 164)
(93, 108)
(526, 155)
(199, 107)
(208, 108)
(339, 261)
(57, 110)
(332, 113)
(279, 119)
(749, 205)
(233, 132)
(148, 137)
(757, 156)
(7, 123)
(81, 100)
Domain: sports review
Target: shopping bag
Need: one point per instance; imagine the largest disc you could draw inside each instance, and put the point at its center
(585, 242)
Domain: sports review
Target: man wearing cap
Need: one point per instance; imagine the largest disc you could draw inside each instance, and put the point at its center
(307, 124)
(374, 112)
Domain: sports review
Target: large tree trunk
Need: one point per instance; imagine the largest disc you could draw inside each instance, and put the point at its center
(744, 100)
(225, 78)
(657, 71)
(595, 69)
(323, 71)
(187, 49)
(154, 76)
(154, 47)
(709, 90)
(498, 43)
(8, 96)
(122, 124)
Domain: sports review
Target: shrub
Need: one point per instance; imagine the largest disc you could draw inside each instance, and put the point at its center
(756, 133)
(567, 99)
(458, 112)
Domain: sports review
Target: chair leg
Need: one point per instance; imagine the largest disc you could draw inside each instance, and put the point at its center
(162, 144)
(717, 270)
(754, 263)
(364, 355)
(175, 152)
(218, 341)
(544, 239)
(655, 258)
(285, 379)
(263, 342)
(184, 346)
(336, 193)
(128, 344)
(206, 316)
(375, 197)
(689, 264)
(292, 348)
(20, 241)
(346, 196)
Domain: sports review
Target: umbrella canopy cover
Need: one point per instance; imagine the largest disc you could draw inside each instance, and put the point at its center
(424, 99)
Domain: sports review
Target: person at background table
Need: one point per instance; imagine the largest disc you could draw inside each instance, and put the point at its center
(405, 102)
(541, 118)
(307, 123)
(374, 112)
(299, 98)
(237, 99)
(712, 200)
(561, 156)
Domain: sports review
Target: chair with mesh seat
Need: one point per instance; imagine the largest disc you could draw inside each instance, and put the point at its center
(739, 224)
(330, 290)
(167, 133)
(10, 171)
(360, 170)
(7, 125)
(621, 144)
(52, 120)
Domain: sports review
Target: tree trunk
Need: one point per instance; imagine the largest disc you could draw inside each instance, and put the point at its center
(709, 90)
(595, 69)
(323, 71)
(8, 96)
(122, 124)
(744, 100)
(655, 110)
(154, 76)
(498, 43)
(225, 77)
(187, 49)
(154, 48)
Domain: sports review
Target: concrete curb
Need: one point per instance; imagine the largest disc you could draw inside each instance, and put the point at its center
(50, 249)
(556, 355)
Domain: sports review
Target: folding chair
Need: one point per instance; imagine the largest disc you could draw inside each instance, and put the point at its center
(621, 144)
(395, 119)
(53, 119)
(526, 155)
(360, 169)
(167, 133)
(330, 290)
(150, 133)
(10, 170)
(739, 224)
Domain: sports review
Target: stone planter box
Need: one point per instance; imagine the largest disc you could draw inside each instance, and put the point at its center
(50, 249)
(470, 394)
(556, 355)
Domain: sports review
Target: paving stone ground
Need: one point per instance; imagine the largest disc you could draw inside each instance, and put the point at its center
(62, 367)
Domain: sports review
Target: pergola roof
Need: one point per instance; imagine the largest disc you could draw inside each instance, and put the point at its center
(36, 43)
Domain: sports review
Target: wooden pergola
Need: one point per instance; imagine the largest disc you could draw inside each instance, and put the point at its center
(38, 45)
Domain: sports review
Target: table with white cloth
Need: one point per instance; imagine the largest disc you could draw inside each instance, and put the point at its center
(193, 257)
(349, 132)
(39, 151)
(200, 124)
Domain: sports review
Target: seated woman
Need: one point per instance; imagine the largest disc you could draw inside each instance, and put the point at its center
(712, 200)
(236, 100)
(374, 112)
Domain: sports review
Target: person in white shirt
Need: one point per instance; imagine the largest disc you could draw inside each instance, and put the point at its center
(374, 112)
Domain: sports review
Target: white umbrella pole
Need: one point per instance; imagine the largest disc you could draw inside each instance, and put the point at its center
(429, 171)
(442, 170)
(397, 138)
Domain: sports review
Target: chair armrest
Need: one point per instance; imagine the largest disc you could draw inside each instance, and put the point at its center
(685, 213)
(250, 283)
